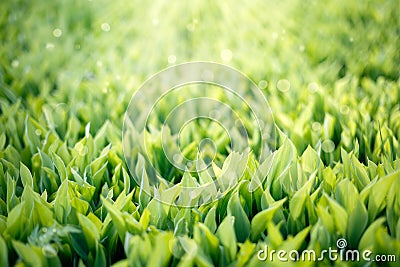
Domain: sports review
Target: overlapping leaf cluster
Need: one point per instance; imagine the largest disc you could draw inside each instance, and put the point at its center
(66, 196)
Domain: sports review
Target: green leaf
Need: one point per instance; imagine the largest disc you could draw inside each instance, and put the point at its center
(310, 161)
(207, 240)
(121, 263)
(97, 177)
(157, 213)
(77, 177)
(2, 141)
(245, 252)
(161, 242)
(297, 203)
(28, 254)
(329, 179)
(339, 215)
(145, 218)
(31, 136)
(320, 237)
(12, 155)
(97, 164)
(117, 219)
(227, 236)
(368, 238)
(16, 221)
(100, 259)
(242, 223)
(60, 166)
(346, 194)
(127, 180)
(12, 199)
(274, 235)
(79, 245)
(3, 252)
(90, 231)
(26, 176)
(283, 158)
(296, 243)
(261, 219)
(132, 225)
(357, 222)
(393, 206)
(46, 161)
(62, 205)
(189, 246)
(209, 221)
(359, 173)
(261, 172)
(10, 168)
(346, 163)
(138, 248)
(169, 196)
(378, 194)
(195, 252)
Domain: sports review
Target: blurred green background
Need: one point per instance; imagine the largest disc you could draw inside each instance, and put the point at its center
(309, 57)
(329, 69)
(93, 54)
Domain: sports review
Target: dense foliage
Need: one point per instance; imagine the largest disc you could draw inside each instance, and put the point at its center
(330, 72)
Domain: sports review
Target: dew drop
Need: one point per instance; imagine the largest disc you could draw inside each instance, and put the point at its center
(316, 126)
(328, 146)
(155, 21)
(57, 32)
(344, 109)
(313, 87)
(283, 85)
(50, 46)
(226, 55)
(15, 63)
(105, 27)
(177, 158)
(262, 84)
(171, 59)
